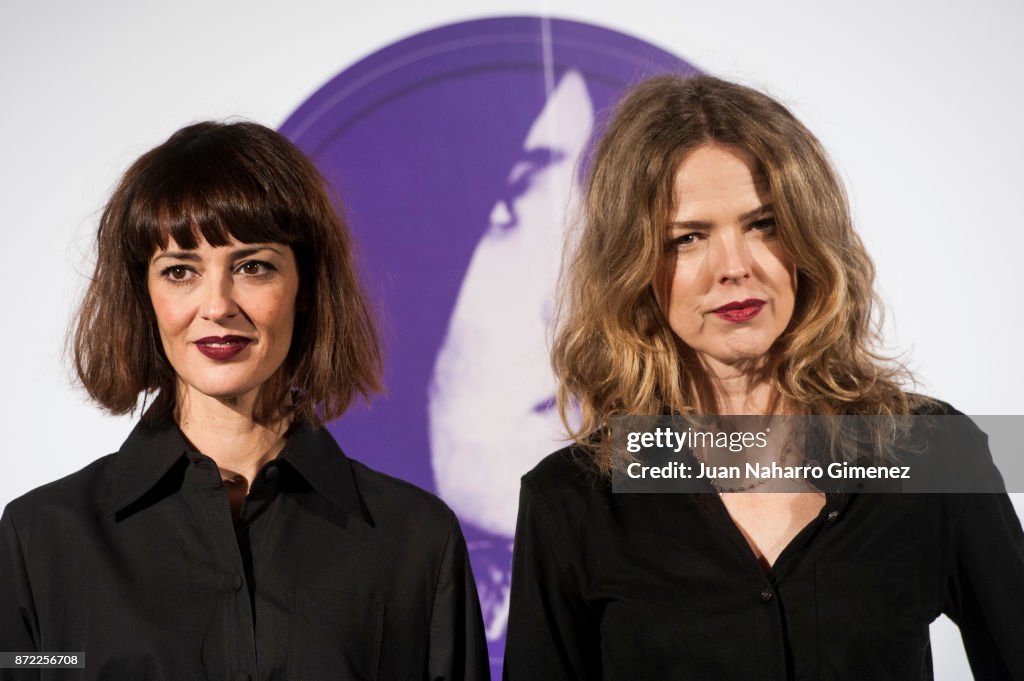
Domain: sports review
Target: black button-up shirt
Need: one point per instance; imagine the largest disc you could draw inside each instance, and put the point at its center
(664, 586)
(332, 571)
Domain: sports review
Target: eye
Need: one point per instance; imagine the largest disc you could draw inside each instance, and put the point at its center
(177, 274)
(255, 268)
(683, 241)
(766, 225)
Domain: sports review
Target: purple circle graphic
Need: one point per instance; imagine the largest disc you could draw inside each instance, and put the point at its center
(456, 154)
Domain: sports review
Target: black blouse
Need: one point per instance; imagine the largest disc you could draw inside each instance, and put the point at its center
(664, 586)
(332, 571)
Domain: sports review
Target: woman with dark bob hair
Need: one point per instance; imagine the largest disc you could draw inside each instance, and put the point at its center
(717, 274)
(230, 537)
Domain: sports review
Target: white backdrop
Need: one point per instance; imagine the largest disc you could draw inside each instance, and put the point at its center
(919, 106)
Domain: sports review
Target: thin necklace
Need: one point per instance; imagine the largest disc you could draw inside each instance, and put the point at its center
(744, 488)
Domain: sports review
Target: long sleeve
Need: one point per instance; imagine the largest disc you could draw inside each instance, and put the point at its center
(458, 647)
(987, 587)
(552, 633)
(18, 627)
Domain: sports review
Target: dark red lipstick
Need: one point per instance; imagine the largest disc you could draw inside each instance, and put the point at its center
(740, 310)
(222, 347)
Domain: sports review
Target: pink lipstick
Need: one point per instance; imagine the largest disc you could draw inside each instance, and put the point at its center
(222, 347)
(740, 310)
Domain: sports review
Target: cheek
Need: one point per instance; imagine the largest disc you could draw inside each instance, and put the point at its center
(684, 305)
(277, 315)
(170, 313)
(782, 276)
(786, 277)
(687, 286)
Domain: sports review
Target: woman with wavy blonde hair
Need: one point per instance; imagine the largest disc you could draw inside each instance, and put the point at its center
(718, 273)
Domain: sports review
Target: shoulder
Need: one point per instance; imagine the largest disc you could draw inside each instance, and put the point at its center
(72, 504)
(82, 490)
(405, 522)
(952, 449)
(929, 406)
(571, 467)
(396, 501)
(565, 488)
(941, 425)
(384, 502)
(937, 417)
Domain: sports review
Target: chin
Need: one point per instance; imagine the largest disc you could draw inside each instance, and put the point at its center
(754, 354)
(222, 390)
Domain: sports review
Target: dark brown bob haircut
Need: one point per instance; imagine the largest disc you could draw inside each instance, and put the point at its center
(214, 182)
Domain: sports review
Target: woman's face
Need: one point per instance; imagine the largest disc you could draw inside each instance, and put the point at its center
(225, 314)
(731, 287)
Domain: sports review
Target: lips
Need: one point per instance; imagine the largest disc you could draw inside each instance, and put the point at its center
(740, 310)
(222, 347)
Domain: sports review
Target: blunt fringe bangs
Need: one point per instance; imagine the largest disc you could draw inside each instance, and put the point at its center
(613, 350)
(216, 182)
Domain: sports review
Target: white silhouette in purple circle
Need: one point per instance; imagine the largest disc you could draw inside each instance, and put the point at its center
(491, 402)
(491, 399)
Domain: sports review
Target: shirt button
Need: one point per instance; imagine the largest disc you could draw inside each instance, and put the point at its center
(270, 474)
(767, 595)
(242, 676)
(832, 517)
(236, 582)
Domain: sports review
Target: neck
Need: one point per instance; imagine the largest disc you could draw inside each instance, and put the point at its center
(225, 431)
(740, 391)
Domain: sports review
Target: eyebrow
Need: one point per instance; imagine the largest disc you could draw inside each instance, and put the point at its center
(192, 256)
(700, 224)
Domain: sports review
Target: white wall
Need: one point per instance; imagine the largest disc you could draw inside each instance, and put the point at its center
(919, 105)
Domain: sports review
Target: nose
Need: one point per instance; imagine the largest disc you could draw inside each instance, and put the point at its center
(732, 259)
(218, 299)
(500, 214)
(502, 218)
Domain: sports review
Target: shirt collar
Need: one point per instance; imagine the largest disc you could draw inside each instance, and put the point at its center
(312, 451)
(149, 453)
(153, 448)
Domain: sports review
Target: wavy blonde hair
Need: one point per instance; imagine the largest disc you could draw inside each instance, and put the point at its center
(614, 352)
